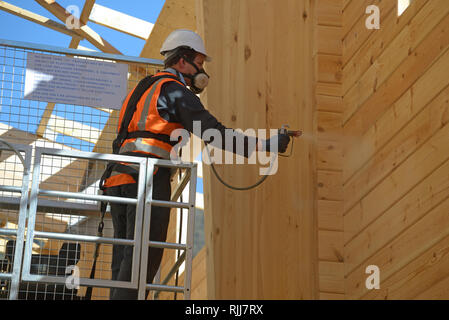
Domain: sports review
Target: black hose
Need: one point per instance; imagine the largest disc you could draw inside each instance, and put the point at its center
(233, 187)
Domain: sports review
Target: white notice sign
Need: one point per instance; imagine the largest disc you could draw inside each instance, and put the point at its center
(75, 81)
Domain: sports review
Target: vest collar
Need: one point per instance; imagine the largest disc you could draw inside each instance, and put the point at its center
(176, 73)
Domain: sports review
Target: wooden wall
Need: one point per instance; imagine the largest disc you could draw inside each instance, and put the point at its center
(262, 244)
(328, 64)
(372, 166)
(396, 150)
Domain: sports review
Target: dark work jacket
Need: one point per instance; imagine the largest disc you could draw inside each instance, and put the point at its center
(178, 104)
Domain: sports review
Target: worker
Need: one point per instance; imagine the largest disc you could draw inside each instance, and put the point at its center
(165, 106)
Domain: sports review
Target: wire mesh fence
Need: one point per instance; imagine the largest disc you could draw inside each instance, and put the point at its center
(56, 125)
(59, 126)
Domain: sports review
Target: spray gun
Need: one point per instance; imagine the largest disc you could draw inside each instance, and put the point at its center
(291, 133)
(282, 130)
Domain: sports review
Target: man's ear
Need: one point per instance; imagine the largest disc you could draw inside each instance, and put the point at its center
(182, 62)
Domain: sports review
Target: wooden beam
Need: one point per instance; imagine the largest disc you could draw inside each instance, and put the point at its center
(174, 15)
(44, 119)
(41, 20)
(121, 22)
(74, 129)
(87, 11)
(84, 31)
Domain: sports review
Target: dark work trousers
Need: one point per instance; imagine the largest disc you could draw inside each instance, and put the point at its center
(123, 220)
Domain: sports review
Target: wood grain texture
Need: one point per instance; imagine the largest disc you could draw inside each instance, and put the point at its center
(262, 243)
(329, 76)
(395, 160)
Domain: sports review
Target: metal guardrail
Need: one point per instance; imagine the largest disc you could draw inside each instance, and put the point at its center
(146, 243)
(32, 234)
(79, 53)
(141, 243)
(19, 115)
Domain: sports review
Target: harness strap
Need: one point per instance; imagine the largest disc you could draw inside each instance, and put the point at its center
(88, 295)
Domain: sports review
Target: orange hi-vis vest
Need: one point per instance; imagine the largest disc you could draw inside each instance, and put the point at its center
(146, 130)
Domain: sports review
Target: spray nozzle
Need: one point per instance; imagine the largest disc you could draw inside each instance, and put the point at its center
(291, 133)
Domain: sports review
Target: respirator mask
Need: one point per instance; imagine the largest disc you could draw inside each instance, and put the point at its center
(199, 80)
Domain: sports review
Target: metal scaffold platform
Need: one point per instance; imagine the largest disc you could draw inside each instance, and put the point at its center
(51, 161)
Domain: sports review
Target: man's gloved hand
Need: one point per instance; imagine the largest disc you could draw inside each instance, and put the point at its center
(279, 140)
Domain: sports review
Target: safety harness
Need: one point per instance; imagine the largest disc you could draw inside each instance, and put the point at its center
(123, 135)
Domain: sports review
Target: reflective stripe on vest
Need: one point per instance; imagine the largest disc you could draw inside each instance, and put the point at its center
(142, 145)
(147, 118)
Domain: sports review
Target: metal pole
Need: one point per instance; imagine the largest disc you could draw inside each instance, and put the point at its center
(18, 255)
(26, 270)
(20, 232)
(146, 231)
(190, 232)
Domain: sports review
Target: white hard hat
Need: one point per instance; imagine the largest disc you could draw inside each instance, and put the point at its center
(187, 38)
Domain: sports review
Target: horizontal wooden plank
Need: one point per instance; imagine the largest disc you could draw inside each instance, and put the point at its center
(328, 89)
(373, 47)
(409, 245)
(328, 40)
(329, 146)
(329, 103)
(422, 163)
(330, 246)
(329, 185)
(417, 279)
(329, 68)
(402, 62)
(412, 207)
(399, 148)
(331, 276)
(328, 12)
(329, 155)
(329, 126)
(330, 215)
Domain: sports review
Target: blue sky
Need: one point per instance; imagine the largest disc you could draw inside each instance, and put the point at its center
(15, 28)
